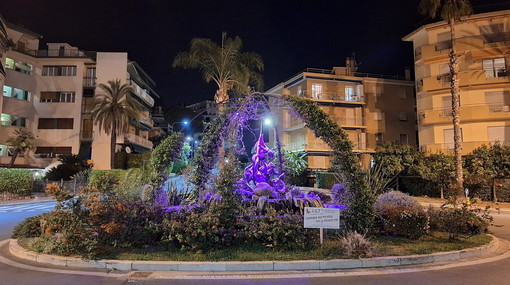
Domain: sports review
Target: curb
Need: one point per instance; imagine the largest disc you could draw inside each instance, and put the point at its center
(25, 202)
(232, 266)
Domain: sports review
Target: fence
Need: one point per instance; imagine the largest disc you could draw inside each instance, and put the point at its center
(71, 185)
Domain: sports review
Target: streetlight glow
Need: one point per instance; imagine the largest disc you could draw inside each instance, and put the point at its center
(267, 121)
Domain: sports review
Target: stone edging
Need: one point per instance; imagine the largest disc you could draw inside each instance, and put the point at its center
(136, 265)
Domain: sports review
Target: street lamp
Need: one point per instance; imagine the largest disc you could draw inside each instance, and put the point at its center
(184, 122)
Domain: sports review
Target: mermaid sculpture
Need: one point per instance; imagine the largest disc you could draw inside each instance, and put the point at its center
(261, 178)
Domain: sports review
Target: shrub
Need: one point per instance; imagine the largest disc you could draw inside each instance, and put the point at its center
(199, 230)
(405, 221)
(18, 182)
(71, 164)
(460, 221)
(395, 198)
(326, 180)
(279, 231)
(30, 227)
(356, 245)
(417, 186)
(105, 180)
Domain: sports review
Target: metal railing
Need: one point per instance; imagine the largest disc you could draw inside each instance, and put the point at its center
(333, 96)
(141, 93)
(132, 138)
(89, 81)
(355, 74)
(51, 52)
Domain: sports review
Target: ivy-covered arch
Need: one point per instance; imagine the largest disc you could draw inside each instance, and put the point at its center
(360, 213)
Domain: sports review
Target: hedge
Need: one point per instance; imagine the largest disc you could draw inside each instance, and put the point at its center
(125, 160)
(16, 181)
(326, 180)
(119, 174)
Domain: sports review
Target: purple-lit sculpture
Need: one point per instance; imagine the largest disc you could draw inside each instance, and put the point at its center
(261, 178)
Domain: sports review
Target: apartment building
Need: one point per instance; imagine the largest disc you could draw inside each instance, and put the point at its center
(483, 43)
(371, 108)
(51, 93)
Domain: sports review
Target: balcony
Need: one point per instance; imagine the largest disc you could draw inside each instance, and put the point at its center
(317, 145)
(468, 113)
(138, 140)
(334, 97)
(141, 93)
(89, 82)
(72, 53)
(467, 147)
(466, 78)
(350, 122)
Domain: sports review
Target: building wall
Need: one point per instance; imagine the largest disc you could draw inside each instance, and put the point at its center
(475, 42)
(362, 106)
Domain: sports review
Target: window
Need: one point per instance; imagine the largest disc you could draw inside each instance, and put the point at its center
(448, 138)
(19, 122)
(59, 70)
(495, 67)
(404, 139)
(299, 91)
(55, 123)
(349, 93)
(379, 138)
(316, 91)
(362, 140)
(16, 93)
(52, 151)
(494, 33)
(57, 97)
(18, 66)
(444, 41)
(5, 119)
(402, 116)
(499, 134)
(498, 101)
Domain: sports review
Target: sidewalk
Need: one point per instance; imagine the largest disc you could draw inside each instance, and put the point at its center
(35, 198)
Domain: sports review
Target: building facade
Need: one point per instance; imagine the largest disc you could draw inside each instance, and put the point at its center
(371, 109)
(483, 43)
(51, 93)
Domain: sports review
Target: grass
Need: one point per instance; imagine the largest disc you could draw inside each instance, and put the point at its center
(331, 249)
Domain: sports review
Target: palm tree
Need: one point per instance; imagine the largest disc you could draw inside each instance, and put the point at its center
(452, 11)
(232, 70)
(21, 142)
(225, 64)
(114, 111)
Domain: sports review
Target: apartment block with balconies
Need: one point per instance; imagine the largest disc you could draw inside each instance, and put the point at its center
(483, 43)
(51, 93)
(370, 108)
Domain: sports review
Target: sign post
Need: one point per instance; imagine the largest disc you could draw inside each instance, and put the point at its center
(321, 218)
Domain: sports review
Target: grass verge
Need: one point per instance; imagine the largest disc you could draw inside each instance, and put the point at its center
(383, 246)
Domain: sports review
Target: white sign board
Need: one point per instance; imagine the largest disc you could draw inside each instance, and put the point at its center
(322, 218)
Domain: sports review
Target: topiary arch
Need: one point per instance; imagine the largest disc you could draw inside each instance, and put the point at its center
(359, 215)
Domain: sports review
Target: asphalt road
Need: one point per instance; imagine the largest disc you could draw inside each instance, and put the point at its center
(485, 273)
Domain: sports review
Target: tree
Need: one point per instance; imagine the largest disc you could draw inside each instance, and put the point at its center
(114, 111)
(439, 168)
(232, 70)
(452, 11)
(398, 159)
(23, 141)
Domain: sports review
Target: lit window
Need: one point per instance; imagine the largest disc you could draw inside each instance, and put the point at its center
(316, 91)
(59, 70)
(349, 94)
(494, 67)
(19, 66)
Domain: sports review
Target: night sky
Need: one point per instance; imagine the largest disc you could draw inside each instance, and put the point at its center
(289, 35)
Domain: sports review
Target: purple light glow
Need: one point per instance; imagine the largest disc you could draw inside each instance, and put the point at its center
(261, 178)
